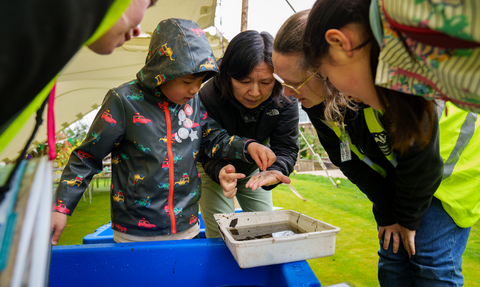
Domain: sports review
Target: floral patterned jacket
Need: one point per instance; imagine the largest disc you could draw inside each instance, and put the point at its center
(429, 48)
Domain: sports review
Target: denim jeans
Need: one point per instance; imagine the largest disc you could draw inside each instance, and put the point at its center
(439, 245)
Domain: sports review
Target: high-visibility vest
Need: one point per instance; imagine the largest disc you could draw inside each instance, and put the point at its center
(459, 190)
(372, 118)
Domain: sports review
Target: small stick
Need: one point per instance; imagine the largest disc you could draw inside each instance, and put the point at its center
(295, 191)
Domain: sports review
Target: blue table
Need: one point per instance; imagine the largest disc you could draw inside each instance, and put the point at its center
(196, 262)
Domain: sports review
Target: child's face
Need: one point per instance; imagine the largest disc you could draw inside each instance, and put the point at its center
(256, 88)
(288, 67)
(182, 89)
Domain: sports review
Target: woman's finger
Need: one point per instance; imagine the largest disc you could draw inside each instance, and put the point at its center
(396, 241)
(386, 240)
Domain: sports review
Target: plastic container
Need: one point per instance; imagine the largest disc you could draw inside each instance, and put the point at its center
(314, 238)
(201, 262)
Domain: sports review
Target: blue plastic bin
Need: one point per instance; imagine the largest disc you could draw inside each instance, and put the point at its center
(202, 262)
(104, 234)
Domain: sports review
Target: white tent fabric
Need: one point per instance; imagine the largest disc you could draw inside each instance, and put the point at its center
(83, 83)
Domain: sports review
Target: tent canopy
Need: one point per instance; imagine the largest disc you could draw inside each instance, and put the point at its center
(84, 82)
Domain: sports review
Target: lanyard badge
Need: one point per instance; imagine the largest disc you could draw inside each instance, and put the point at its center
(345, 151)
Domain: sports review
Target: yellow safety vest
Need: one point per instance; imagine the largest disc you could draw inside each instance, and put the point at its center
(372, 118)
(459, 190)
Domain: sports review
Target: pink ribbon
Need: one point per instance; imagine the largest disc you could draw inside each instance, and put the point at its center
(51, 125)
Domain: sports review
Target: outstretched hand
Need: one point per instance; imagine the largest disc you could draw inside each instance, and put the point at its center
(262, 155)
(228, 180)
(265, 178)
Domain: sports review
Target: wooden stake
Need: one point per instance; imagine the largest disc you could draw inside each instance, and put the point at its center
(243, 26)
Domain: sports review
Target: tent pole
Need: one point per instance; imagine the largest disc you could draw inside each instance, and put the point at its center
(317, 157)
(243, 26)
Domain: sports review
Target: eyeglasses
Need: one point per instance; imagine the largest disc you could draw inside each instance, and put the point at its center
(282, 82)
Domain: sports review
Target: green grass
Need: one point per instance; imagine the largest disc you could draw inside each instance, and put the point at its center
(355, 259)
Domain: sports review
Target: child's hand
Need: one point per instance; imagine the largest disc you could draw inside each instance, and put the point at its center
(58, 223)
(265, 178)
(228, 180)
(262, 155)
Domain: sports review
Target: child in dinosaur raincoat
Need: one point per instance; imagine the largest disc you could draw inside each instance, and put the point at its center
(154, 127)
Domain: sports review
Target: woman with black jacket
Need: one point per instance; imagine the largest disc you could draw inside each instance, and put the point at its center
(247, 101)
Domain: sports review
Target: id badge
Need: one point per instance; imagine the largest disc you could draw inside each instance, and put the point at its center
(346, 153)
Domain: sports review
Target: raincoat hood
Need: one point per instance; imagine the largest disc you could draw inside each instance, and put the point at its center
(177, 48)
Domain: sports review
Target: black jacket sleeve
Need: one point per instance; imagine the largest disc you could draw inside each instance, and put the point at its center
(404, 195)
(378, 189)
(284, 140)
(418, 176)
(274, 125)
(47, 34)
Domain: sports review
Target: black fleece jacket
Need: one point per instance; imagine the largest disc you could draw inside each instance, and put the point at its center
(404, 195)
(45, 36)
(269, 124)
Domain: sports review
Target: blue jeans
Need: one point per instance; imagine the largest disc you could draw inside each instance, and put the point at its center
(439, 245)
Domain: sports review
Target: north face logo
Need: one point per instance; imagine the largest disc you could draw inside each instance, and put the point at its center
(273, 112)
(381, 140)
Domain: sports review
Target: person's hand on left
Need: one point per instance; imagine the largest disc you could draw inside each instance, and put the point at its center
(228, 180)
(262, 155)
(265, 178)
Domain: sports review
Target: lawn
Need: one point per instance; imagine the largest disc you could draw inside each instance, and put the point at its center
(355, 258)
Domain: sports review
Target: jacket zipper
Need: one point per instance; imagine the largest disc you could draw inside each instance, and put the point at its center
(170, 168)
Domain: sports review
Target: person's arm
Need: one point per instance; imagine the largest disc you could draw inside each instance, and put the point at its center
(217, 143)
(86, 160)
(377, 188)
(211, 166)
(418, 175)
(284, 142)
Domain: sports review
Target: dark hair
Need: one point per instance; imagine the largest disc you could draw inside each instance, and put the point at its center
(247, 50)
(207, 74)
(406, 114)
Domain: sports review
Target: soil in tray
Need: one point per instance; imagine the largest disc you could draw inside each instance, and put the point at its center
(252, 232)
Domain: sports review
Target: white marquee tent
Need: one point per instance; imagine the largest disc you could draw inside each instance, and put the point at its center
(83, 83)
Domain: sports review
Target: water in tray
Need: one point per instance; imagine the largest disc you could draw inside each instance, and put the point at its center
(261, 231)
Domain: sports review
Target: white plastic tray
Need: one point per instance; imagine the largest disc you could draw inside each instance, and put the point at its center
(318, 241)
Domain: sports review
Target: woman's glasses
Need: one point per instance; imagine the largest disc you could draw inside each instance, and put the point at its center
(282, 82)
